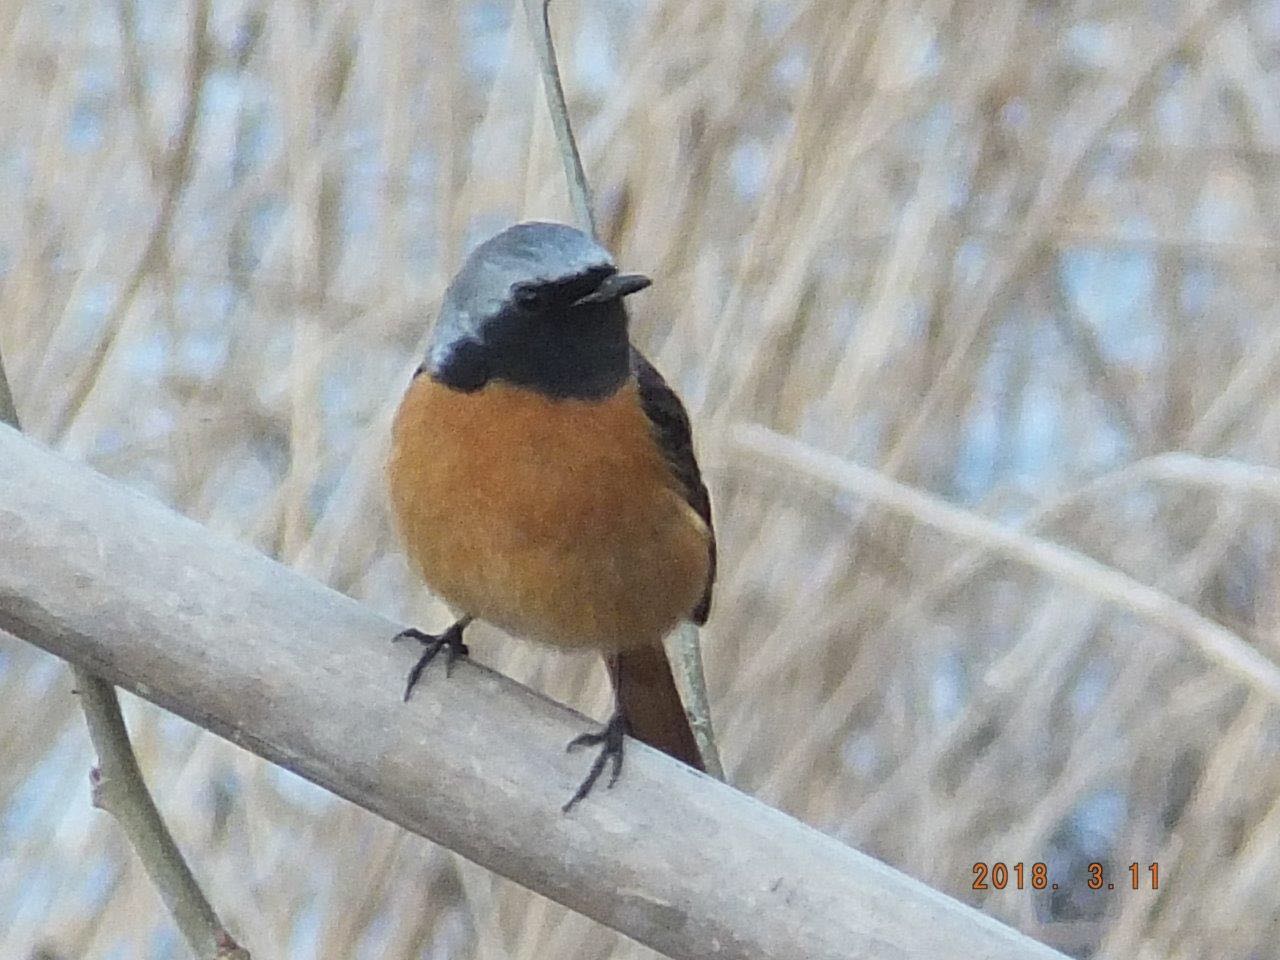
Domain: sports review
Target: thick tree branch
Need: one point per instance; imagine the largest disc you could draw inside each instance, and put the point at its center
(307, 678)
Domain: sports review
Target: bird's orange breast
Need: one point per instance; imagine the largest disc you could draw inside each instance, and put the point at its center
(557, 520)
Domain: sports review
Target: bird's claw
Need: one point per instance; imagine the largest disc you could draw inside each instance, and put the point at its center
(610, 740)
(450, 641)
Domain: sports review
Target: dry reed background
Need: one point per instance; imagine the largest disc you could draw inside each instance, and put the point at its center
(1005, 252)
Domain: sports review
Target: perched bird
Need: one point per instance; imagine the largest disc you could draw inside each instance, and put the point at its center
(543, 478)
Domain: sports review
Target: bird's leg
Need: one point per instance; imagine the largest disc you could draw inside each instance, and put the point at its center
(450, 640)
(610, 741)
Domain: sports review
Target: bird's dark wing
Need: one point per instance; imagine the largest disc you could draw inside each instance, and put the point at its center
(671, 427)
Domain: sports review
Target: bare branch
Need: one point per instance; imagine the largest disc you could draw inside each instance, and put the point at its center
(1068, 566)
(306, 678)
(118, 788)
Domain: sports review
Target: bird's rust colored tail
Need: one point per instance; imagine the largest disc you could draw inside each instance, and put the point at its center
(647, 696)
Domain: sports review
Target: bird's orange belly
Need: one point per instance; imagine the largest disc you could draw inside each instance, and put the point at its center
(556, 520)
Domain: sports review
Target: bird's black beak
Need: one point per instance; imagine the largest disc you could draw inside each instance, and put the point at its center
(616, 287)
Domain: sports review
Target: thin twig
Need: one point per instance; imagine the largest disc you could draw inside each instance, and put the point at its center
(118, 788)
(692, 681)
(8, 411)
(575, 176)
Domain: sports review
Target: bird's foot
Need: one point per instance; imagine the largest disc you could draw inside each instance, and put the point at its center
(450, 641)
(610, 741)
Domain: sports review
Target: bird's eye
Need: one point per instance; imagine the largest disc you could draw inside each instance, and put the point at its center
(529, 297)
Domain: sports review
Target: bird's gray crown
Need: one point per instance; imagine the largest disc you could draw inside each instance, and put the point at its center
(524, 256)
(540, 306)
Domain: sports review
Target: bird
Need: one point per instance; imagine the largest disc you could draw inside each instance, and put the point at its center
(543, 479)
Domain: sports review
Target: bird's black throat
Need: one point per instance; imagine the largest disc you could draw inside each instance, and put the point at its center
(577, 352)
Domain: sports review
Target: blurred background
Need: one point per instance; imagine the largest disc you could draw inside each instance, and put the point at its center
(1009, 253)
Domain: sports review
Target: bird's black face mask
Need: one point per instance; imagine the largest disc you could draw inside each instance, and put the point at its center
(538, 305)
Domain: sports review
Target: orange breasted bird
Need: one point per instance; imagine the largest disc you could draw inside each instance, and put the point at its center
(543, 478)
